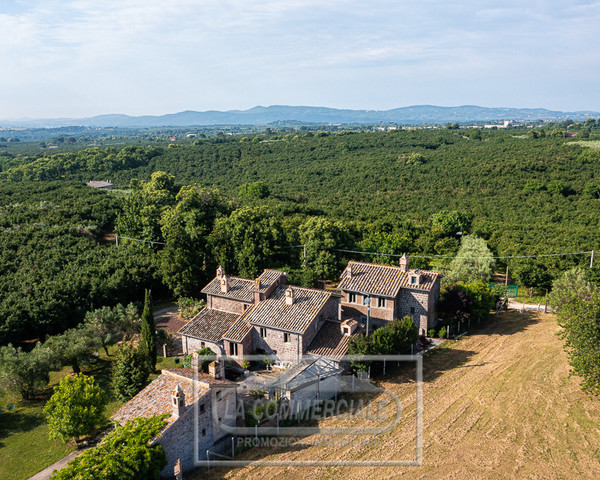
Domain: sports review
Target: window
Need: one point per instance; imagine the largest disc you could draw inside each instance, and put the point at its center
(412, 309)
(202, 344)
(286, 337)
(346, 331)
(202, 408)
(352, 297)
(413, 280)
(204, 432)
(263, 332)
(233, 349)
(381, 302)
(218, 395)
(245, 306)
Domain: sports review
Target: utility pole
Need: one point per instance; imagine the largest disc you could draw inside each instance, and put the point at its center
(117, 237)
(506, 278)
(368, 313)
(592, 260)
(304, 254)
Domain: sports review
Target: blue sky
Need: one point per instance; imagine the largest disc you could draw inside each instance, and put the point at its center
(72, 58)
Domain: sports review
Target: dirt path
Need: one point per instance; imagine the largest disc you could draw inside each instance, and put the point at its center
(498, 404)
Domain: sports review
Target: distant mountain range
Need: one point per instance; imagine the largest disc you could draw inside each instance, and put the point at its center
(413, 115)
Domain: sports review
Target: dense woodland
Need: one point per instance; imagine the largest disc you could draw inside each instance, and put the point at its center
(244, 201)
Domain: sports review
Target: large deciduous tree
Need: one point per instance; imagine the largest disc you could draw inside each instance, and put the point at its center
(24, 372)
(474, 262)
(245, 241)
(186, 259)
(76, 408)
(74, 346)
(580, 322)
(320, 236)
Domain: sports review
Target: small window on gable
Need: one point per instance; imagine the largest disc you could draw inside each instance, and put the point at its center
(204, 432)
(346, 331)
(286, 337)
(263, 332)
(202, 408)
(412, 309)
(414, 280)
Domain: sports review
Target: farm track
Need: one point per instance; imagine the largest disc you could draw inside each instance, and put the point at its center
(497, 404)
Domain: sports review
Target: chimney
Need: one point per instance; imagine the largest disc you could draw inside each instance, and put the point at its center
(215, 369)
(349, 272)
(225, 284)
(196, 366)
(289, 296)
(220, 272)
(178, 402)
(257, 285)
(404, 263)
(348, 327)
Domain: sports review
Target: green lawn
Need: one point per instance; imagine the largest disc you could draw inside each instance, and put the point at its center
(25, 448)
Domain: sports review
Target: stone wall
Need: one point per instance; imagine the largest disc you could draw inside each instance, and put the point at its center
(226, 304)
(415, 304)
(178, 439)
(191, 345)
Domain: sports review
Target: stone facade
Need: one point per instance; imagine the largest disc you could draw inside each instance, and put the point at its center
(191, 344)
(404, 292)
(226, 304)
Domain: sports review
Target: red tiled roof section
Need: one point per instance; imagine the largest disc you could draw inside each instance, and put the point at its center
(383, 280)
(267, 279)
(330, 341)
(238, 330)
(273, 312)
(239, 289)
(209, 325)
(155, 399)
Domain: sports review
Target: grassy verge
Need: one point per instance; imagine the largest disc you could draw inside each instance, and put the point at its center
(25, 447)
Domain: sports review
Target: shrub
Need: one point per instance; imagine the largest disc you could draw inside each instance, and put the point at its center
(443, 332)
(124, 453)
(431, 333)
(245, 364)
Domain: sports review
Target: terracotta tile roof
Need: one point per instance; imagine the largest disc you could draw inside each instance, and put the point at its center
(155, 398)
(273, 312)
(238, 331)
(267, 279)
(240, 289)
(383, 280)
(330, 341)
(209, 325)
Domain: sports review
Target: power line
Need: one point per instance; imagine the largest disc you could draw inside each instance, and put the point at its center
(450, 257)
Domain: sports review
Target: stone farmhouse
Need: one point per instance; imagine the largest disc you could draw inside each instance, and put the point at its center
(377, 294)
(172, 393)
(267, 316)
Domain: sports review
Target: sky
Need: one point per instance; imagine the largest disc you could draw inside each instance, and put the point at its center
(78, 58)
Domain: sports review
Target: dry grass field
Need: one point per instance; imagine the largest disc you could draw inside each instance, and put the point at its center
(498, 404)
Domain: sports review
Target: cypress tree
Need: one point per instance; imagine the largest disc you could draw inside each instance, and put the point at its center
(148, 334)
